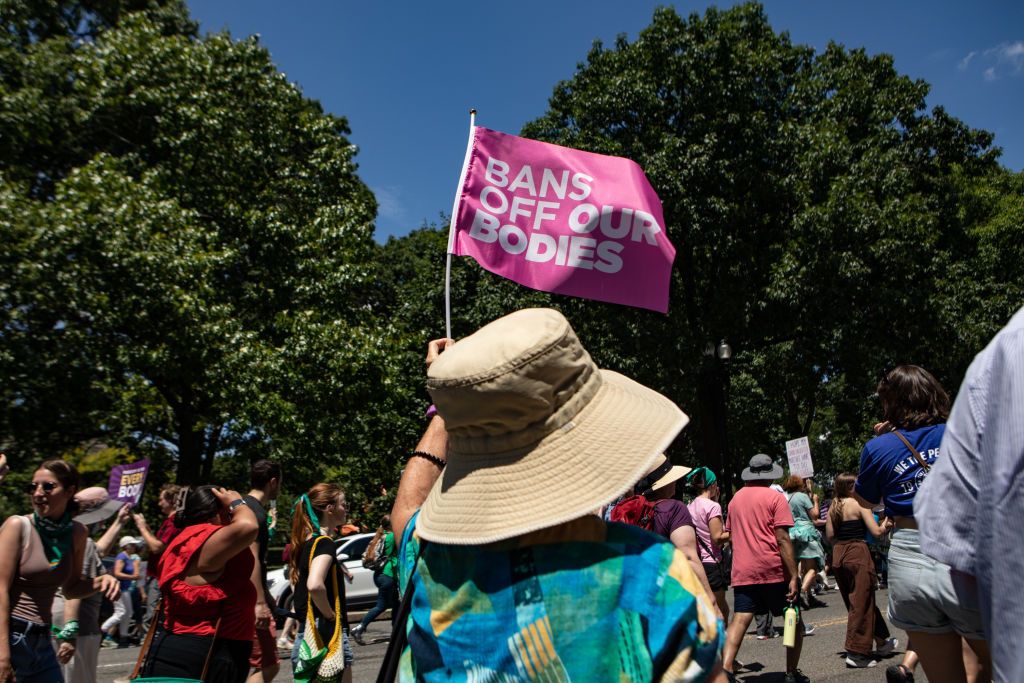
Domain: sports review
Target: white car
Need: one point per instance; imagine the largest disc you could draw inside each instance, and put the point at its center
(361, 593)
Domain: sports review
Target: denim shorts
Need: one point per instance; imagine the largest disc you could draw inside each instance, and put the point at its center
(928, 596)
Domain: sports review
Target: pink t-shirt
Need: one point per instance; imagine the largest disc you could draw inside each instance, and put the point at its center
(703, 510)
(755, 512)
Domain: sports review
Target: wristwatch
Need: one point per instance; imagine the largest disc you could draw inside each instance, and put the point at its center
(235, 503)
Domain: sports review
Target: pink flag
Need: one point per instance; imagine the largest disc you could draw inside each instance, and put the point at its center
(562, 220)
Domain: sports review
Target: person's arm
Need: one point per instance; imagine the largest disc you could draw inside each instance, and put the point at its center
(79, 586)
(830, 531)
(119, 572)
(788, 561)
(316, 584)
(153, 544)
(10, 557)
(420, 474)
(106, 541)
(874, 528)
(68, 635)
(717, 530)
(685, 539)
(263, 614)
(232, 538)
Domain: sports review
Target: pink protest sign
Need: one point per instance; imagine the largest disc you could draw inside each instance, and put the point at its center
(563, 220)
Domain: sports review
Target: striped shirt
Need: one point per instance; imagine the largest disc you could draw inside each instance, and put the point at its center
(970, 509)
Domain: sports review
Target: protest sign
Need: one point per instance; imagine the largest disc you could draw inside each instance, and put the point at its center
(562, 220)
(126, 481)
(798, 451)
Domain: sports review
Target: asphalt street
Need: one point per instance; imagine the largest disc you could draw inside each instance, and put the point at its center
(764, 660)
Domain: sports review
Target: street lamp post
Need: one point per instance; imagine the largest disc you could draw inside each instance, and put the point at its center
(723, 352)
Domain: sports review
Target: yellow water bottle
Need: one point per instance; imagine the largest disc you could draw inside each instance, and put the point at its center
(791, 614)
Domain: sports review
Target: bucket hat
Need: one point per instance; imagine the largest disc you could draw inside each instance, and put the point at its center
(538, 434)
(761, 467)
(95, 505)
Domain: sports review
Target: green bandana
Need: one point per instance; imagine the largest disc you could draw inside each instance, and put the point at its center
(312, 515)
(56, 536)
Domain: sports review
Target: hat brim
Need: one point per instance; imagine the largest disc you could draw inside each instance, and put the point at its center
(571, 472)
(675, 474)
(750, 475)
(103, 511)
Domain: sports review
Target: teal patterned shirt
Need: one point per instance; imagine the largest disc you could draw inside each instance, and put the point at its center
(582, 601)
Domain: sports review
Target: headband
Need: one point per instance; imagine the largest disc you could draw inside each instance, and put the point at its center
(708, 476)
(312, 515)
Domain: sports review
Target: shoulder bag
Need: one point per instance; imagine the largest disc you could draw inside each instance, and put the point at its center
(144, 652)
(317, 662)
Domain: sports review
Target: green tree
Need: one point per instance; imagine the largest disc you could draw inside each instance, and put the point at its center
(190, 246)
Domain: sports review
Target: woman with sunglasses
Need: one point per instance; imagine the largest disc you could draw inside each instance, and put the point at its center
(40, 553)
(926, 599)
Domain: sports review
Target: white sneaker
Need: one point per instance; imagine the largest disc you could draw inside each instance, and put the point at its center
(887, 647)
(808, 630)
(855, 661)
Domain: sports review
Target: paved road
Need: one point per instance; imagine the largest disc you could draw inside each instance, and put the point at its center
(822, 658)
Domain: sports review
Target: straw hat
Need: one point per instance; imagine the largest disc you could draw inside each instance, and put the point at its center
(538, 435)
(662, 474)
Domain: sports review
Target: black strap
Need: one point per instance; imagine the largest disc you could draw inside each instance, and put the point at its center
(389, 667)
(706, 548)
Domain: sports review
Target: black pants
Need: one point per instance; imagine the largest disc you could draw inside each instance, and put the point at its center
(182, 655)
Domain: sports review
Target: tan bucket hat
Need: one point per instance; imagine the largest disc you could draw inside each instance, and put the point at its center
(662, 474)
(538, 435)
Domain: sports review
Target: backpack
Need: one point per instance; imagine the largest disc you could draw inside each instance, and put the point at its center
(635, 510)
(375, 558)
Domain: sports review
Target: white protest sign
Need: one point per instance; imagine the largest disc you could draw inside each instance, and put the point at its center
(799, 453)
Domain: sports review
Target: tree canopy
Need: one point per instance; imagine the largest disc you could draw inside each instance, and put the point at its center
(190, 269)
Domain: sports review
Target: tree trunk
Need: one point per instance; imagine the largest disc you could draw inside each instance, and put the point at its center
(190, 449)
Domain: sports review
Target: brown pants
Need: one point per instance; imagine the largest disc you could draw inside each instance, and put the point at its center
(855, 573)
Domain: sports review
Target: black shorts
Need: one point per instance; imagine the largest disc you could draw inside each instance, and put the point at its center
(716, 576)
(760, 598)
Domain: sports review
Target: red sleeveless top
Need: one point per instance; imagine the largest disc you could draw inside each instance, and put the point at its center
(195, 609)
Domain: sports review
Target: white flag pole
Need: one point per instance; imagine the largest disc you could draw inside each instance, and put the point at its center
(451, 230)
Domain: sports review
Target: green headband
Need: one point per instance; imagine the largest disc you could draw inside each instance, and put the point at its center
(311, 513)
(709, 476)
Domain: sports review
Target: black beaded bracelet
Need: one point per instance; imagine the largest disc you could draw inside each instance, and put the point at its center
(429, 456)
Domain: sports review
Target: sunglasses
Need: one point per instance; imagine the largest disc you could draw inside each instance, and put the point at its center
(48, 486)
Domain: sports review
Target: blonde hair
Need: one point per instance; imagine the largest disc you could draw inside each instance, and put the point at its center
(843, 489)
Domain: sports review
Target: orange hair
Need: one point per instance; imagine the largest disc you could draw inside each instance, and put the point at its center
(320, 496)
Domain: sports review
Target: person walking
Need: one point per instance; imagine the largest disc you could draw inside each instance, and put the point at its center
(314, 570)
(265, 478)
(501, 544)
(383, 578)
(126, 570)
(155, 545)
(711, 534)
(933, 604)
(805, 537)
(970, 506)
(764, 569)
(78, 640)
(854, 571)
(38, 554)
(209, 602)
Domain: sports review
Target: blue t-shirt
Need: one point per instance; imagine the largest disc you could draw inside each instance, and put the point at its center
(129, 568)
(890, 473)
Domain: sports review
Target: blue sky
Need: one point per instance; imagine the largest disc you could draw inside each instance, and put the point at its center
(405, 74)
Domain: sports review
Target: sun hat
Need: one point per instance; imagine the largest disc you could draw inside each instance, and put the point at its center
(761, 467)
(129, 540)
(95, 505)
(538, 435)
(662, 474)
